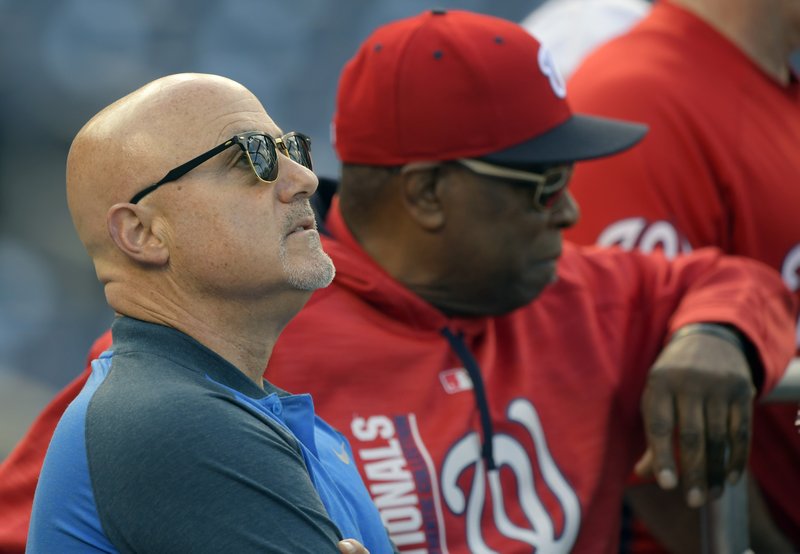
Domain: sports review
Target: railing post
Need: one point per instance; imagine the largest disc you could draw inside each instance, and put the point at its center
(788, 388)
(724, 522)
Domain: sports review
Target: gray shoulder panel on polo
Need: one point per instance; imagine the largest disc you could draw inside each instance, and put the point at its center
(178, 464)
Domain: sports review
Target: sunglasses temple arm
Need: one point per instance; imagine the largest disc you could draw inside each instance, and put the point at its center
(182, 170)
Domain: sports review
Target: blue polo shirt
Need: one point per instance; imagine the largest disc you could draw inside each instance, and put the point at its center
(169, 448)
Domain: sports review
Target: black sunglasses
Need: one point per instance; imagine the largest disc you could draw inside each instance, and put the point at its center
(262, 153)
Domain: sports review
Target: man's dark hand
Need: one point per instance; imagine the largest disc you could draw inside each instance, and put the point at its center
(700, 387)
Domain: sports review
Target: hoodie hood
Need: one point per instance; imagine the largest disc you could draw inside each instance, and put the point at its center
(357, 272)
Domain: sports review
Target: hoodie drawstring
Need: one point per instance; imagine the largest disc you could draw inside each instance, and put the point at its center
(474, 371)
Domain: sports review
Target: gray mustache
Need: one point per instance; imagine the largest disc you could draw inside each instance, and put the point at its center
(297, 213)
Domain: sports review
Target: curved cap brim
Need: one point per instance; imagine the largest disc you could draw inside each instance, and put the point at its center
(581, 137)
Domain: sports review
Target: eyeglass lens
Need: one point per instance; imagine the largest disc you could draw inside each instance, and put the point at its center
(553, 188)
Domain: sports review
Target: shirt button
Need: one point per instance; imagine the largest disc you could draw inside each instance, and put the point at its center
(277, 408)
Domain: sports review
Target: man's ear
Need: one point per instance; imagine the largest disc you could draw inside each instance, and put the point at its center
(422, 198)
(130, 227)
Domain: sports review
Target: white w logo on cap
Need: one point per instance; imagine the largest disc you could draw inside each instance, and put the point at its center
(548, 67)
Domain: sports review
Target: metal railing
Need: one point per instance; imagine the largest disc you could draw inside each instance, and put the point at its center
(724, 522)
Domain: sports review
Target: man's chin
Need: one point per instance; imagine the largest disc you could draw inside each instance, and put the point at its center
(312, 274)
(530, 292)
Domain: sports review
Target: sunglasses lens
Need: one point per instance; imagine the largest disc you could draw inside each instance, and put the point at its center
(298, 148)
(263, 156)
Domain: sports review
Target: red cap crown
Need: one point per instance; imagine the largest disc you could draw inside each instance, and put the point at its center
(445, 85)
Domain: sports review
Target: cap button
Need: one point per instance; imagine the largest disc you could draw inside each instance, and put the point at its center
(438, 11)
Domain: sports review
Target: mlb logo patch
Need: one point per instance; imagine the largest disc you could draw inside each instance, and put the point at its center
(455, 380)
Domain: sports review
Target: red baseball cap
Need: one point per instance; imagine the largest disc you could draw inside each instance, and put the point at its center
(453, 84)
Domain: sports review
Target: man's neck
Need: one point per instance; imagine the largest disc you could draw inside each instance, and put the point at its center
(761, 32)
(244, 334)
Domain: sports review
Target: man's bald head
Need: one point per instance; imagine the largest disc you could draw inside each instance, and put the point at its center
(137, 139)
(220, 253)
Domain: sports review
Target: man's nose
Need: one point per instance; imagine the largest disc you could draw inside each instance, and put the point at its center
(566, 213)
(295, 181)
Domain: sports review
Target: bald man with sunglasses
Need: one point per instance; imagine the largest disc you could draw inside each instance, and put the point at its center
(488, 375)
(177, 443)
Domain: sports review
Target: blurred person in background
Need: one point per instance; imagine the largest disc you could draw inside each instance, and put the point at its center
(719, 167)
(572, 29)
(177, 443)
(489, 376)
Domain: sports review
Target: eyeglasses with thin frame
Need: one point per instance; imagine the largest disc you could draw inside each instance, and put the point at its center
(549, 186)
(261, 150)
